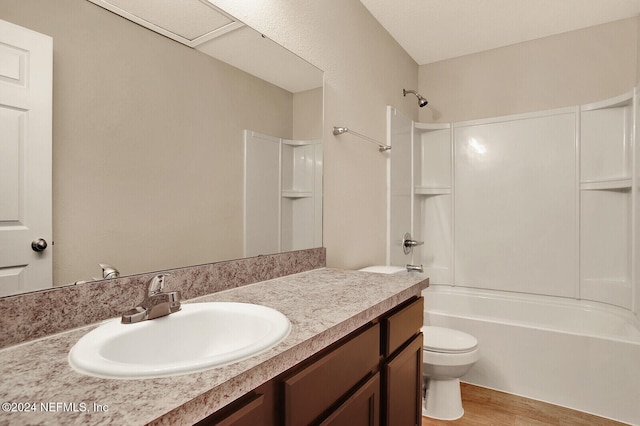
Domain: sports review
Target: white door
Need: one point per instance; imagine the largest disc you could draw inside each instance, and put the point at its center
(26, 70)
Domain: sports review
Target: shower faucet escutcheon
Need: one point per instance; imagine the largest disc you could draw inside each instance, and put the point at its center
(158, 303)
(409, 243)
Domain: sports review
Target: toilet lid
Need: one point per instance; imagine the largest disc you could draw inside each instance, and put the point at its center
(446, 340)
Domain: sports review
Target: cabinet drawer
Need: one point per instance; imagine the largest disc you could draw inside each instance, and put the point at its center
(402, 325)
(313, 390)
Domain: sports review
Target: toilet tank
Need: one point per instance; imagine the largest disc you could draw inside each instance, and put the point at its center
(381, 269)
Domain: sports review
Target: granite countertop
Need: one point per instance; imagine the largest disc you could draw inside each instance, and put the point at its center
(323, 306)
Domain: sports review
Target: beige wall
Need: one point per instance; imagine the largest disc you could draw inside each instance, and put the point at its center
(573, 68)
(365, 70)
(638, 51)
(307, 114)
(147, 138)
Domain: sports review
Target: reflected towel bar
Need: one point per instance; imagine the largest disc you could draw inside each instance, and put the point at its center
(340, 130)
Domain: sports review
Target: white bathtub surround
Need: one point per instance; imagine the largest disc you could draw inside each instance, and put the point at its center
(539, 214)
(577, 354)
(543, 202)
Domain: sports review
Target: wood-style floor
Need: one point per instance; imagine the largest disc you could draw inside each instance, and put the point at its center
(489, 407)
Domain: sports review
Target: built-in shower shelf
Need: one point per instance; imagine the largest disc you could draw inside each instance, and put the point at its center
(621, 101)
(431, 126)
(606, 184)
(429, 190)
(297, 194)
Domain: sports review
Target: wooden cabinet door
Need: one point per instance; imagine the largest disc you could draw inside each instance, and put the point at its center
(403, 385)
(361, 409)
(251, 412)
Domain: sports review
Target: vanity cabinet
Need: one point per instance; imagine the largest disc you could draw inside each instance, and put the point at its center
(253, 409)
(362, 408)
(251, 412)
(402, 369)
(371, 377)
(314, 390)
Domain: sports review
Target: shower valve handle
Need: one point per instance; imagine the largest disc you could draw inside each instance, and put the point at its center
(409, 243)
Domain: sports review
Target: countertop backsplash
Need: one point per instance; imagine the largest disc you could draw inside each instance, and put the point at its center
(30, 316)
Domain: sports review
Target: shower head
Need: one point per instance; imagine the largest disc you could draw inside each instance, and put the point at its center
(421, 101)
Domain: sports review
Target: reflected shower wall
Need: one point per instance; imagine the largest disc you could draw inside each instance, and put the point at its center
(282, 194)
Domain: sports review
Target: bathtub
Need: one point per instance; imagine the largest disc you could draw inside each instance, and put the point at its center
(576, 354)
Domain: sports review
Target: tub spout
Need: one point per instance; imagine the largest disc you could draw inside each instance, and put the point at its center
(415, 268)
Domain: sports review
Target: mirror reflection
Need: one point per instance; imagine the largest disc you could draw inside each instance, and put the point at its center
(149, 139)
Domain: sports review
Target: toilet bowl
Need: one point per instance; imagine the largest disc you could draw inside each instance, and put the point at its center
(447, 355)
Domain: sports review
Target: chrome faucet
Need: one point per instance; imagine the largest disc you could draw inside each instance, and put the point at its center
(108, 271)
(414, 268)
(158, 303)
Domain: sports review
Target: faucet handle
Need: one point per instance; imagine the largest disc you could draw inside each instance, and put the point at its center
(409, 243)
(156, 284)
(136, 314)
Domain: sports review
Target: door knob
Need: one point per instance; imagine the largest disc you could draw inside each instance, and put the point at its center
(39, 245)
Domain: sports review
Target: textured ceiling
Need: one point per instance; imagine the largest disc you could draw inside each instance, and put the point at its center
(434, 30)
(201, 25)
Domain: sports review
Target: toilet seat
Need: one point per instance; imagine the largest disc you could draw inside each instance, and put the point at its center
(446, 340)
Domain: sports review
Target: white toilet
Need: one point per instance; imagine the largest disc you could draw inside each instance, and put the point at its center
(447, 355)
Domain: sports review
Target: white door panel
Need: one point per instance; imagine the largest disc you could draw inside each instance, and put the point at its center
(25, 158)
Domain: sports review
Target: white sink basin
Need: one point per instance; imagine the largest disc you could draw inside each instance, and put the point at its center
(200, 336)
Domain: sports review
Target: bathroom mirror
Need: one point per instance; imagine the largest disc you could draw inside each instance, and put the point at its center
(148, 134)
